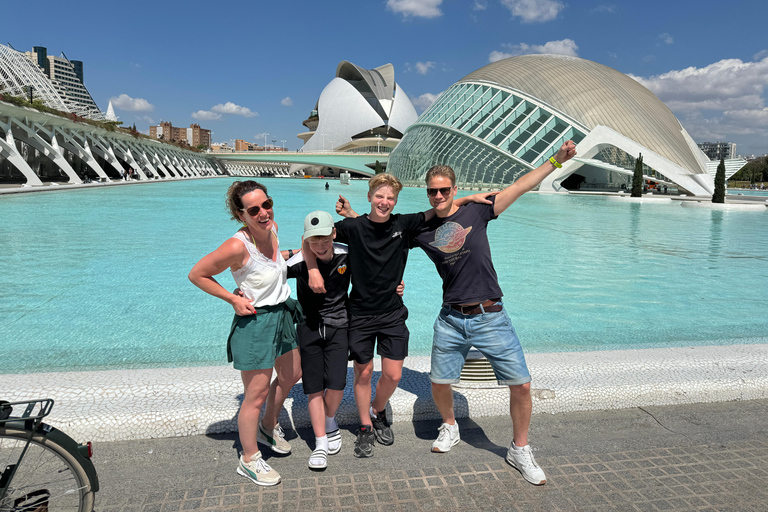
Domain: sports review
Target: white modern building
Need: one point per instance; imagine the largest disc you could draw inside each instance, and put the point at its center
(68, 80)
(362, 110)
(507, 118)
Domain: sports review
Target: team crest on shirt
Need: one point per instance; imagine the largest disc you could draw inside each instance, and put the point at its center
(341, 269)
(450, 237)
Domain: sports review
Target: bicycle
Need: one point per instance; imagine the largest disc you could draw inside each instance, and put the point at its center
(42, 469)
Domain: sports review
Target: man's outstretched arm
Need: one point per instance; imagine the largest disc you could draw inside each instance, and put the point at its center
(528, 182)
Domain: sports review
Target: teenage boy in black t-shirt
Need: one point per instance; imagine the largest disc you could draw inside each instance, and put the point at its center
(457, 242)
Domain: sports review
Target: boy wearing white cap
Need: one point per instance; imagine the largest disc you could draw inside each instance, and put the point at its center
(323, 342)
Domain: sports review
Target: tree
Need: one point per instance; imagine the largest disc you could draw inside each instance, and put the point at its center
(637, 178)
(719, 195)
(377, 168)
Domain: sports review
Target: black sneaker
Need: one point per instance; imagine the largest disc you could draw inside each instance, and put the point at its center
(364, 442)
(384, 434)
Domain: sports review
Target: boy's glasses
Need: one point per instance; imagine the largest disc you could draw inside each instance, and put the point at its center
(254, 210)
(444, 191)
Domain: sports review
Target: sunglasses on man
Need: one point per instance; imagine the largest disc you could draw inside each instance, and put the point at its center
(444, 191)
(254, 210)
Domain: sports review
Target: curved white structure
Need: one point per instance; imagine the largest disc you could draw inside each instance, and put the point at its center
(506, 118)
(18, 74)
(359, 108)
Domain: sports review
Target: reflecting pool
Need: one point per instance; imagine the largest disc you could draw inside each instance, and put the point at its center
(96, 279)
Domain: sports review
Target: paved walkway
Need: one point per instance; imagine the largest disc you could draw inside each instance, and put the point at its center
(701, 457)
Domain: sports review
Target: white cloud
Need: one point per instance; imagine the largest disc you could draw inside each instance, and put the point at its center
(609, 8)
(666, 38)
(534, 11)
(146, 119)
(480, 5)
(424, 101)
(287, 102)
(416, 8)
(760, 55)
(564, 47)
(231, 108)
(125, 102)
(205, 115)
(722, 101)
(423, 68)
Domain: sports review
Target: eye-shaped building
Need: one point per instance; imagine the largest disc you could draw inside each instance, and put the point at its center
(508, 117)
(359, 110)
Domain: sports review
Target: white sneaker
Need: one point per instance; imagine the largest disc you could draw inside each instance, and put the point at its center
(258, 471)
(274, 438)
(334, 442)
(447, 438)
(523, 461)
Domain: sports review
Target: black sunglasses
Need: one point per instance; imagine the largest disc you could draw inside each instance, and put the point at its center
(254, 210)
(444, 191)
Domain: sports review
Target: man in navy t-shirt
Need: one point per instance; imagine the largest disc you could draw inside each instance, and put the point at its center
(455, 239)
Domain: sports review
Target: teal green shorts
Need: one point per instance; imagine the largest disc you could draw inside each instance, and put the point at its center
(255, 341)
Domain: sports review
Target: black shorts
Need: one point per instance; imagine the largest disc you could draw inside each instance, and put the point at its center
(323, 357)
(387, 331)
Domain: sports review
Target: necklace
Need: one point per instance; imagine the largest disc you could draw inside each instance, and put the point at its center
(253, 241)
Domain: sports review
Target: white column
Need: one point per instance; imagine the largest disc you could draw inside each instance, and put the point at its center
(83, 153)
(9, 152)
(50, 149)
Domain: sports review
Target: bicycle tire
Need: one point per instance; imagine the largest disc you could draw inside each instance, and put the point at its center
(46, 466)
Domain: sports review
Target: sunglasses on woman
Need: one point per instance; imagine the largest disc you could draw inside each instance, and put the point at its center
(444, 191)
(254, 210)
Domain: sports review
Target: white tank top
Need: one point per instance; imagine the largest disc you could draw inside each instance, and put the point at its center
(263, 281)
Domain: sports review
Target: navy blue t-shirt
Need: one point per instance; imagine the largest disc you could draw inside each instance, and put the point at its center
(458, 246)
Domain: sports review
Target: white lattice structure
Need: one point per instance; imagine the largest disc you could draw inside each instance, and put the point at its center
(18, 73)
(35, 146)
(277, 169)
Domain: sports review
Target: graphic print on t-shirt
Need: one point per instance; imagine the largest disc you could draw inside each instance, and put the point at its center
(450, 237)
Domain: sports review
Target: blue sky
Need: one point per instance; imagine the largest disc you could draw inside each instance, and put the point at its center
(242, 69)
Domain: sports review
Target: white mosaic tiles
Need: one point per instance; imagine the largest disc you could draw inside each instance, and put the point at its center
(142, 404)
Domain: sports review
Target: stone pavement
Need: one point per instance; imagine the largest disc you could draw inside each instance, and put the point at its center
(702, 457)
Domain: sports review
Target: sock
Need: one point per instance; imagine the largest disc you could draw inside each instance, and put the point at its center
(321, 442)
(518, 448)
(371, 412)
(330, 424)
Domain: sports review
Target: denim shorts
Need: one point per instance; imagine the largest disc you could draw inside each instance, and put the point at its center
(490, 333)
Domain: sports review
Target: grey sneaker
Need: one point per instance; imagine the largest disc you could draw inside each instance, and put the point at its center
(447, 438)
(523, 461)
(364, 443)
(384, 434)
(274, 438)
(258, 471)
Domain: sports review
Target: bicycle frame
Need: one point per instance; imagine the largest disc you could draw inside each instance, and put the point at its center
(31, 421)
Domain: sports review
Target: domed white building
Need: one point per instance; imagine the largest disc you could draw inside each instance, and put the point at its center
(508, 117)
(361, 110)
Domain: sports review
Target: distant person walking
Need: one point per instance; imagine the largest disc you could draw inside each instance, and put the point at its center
(262, 336)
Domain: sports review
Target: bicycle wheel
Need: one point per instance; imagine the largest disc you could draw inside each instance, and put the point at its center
(48, 479)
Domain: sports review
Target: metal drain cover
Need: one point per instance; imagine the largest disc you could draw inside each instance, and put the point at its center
(477, 368)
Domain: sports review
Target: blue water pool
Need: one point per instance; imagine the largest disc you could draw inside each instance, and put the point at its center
(95, 279)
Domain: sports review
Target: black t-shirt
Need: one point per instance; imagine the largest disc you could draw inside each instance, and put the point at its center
(458, 246)
(378, 252)
(329, 308)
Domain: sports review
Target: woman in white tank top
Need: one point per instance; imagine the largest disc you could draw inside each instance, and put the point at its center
(263, 334)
